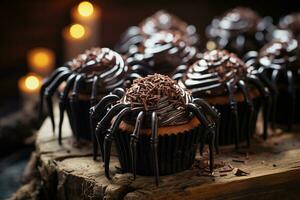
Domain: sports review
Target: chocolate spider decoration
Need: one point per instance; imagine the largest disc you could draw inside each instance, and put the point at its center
(88, 76)
(148, 106)
(220, 75)
(160, 21)
(161, 53)
(239, 30)
(278, 61)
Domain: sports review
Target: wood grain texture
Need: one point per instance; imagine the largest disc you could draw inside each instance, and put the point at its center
(67, 172)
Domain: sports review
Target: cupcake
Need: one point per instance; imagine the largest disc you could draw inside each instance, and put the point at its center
(291, 22)
(239, 30)
(278, 60)
(162, 52)
(160, 21)
(156, 126)
(223, 80)
(83, 81)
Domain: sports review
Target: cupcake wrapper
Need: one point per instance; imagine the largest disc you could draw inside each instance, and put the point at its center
(284, 111)
(176, 152)
(80, 123)
(227, 130)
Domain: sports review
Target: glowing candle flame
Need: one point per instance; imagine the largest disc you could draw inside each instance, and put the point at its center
(77, 31)
(85, 9)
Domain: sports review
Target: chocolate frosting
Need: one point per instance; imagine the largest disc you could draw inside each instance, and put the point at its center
(291, 22)
(102, 62)
(162, 52)
(160, 21)
(161, 94)
(280, 54)
(239, 29)
(208, 76)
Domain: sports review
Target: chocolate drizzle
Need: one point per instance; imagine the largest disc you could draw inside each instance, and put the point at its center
(161, 94)
(102, 62)
(209, 75)
(279, 54)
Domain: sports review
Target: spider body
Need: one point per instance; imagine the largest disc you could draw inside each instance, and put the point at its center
(85, 79)
(156, 126)
(161, 53)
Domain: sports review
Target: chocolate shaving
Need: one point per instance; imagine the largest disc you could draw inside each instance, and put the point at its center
(239, 172)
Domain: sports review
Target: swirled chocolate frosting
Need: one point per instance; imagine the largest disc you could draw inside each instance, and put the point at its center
(102, 62)
(161, 94)
(280, 54)
(208, 76)
(162, 52)
(240, 29)
(291, 22)
(160, 21)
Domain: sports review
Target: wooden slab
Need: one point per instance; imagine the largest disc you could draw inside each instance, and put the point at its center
(273, 169)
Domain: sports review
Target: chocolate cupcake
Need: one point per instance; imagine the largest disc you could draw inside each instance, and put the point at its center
(239, 30)
(160, 21)
(279, 61)
(85, 79)
(291, 22)
(157, 126)
(162, 52)
(223, 80)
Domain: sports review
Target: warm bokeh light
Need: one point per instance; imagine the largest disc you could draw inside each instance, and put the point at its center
(211, 45)
(85, 9)
(30, 83)
(77, 31)
(41, 60)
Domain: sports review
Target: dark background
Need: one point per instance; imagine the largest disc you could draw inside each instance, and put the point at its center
(33, 23)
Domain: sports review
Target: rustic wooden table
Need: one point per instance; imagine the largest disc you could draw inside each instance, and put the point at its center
(272, 172)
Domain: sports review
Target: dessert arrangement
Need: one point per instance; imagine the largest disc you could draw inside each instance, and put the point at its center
(159, 97)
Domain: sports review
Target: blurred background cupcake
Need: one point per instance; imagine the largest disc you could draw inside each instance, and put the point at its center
(239, 30)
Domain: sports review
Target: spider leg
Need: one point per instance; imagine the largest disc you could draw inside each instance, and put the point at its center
(274, 93)
(274, 79)
(109, 138)
(267, 102)
(241, 84)
(154, 145)
(97, 112)
(292, 95)
(234, 112)
(214, 114)
(104, 123)
(62, 104)
(45, 84)
(210, 128)
(74, 102)
(133, 141)
(49, 91)
(119, 92)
